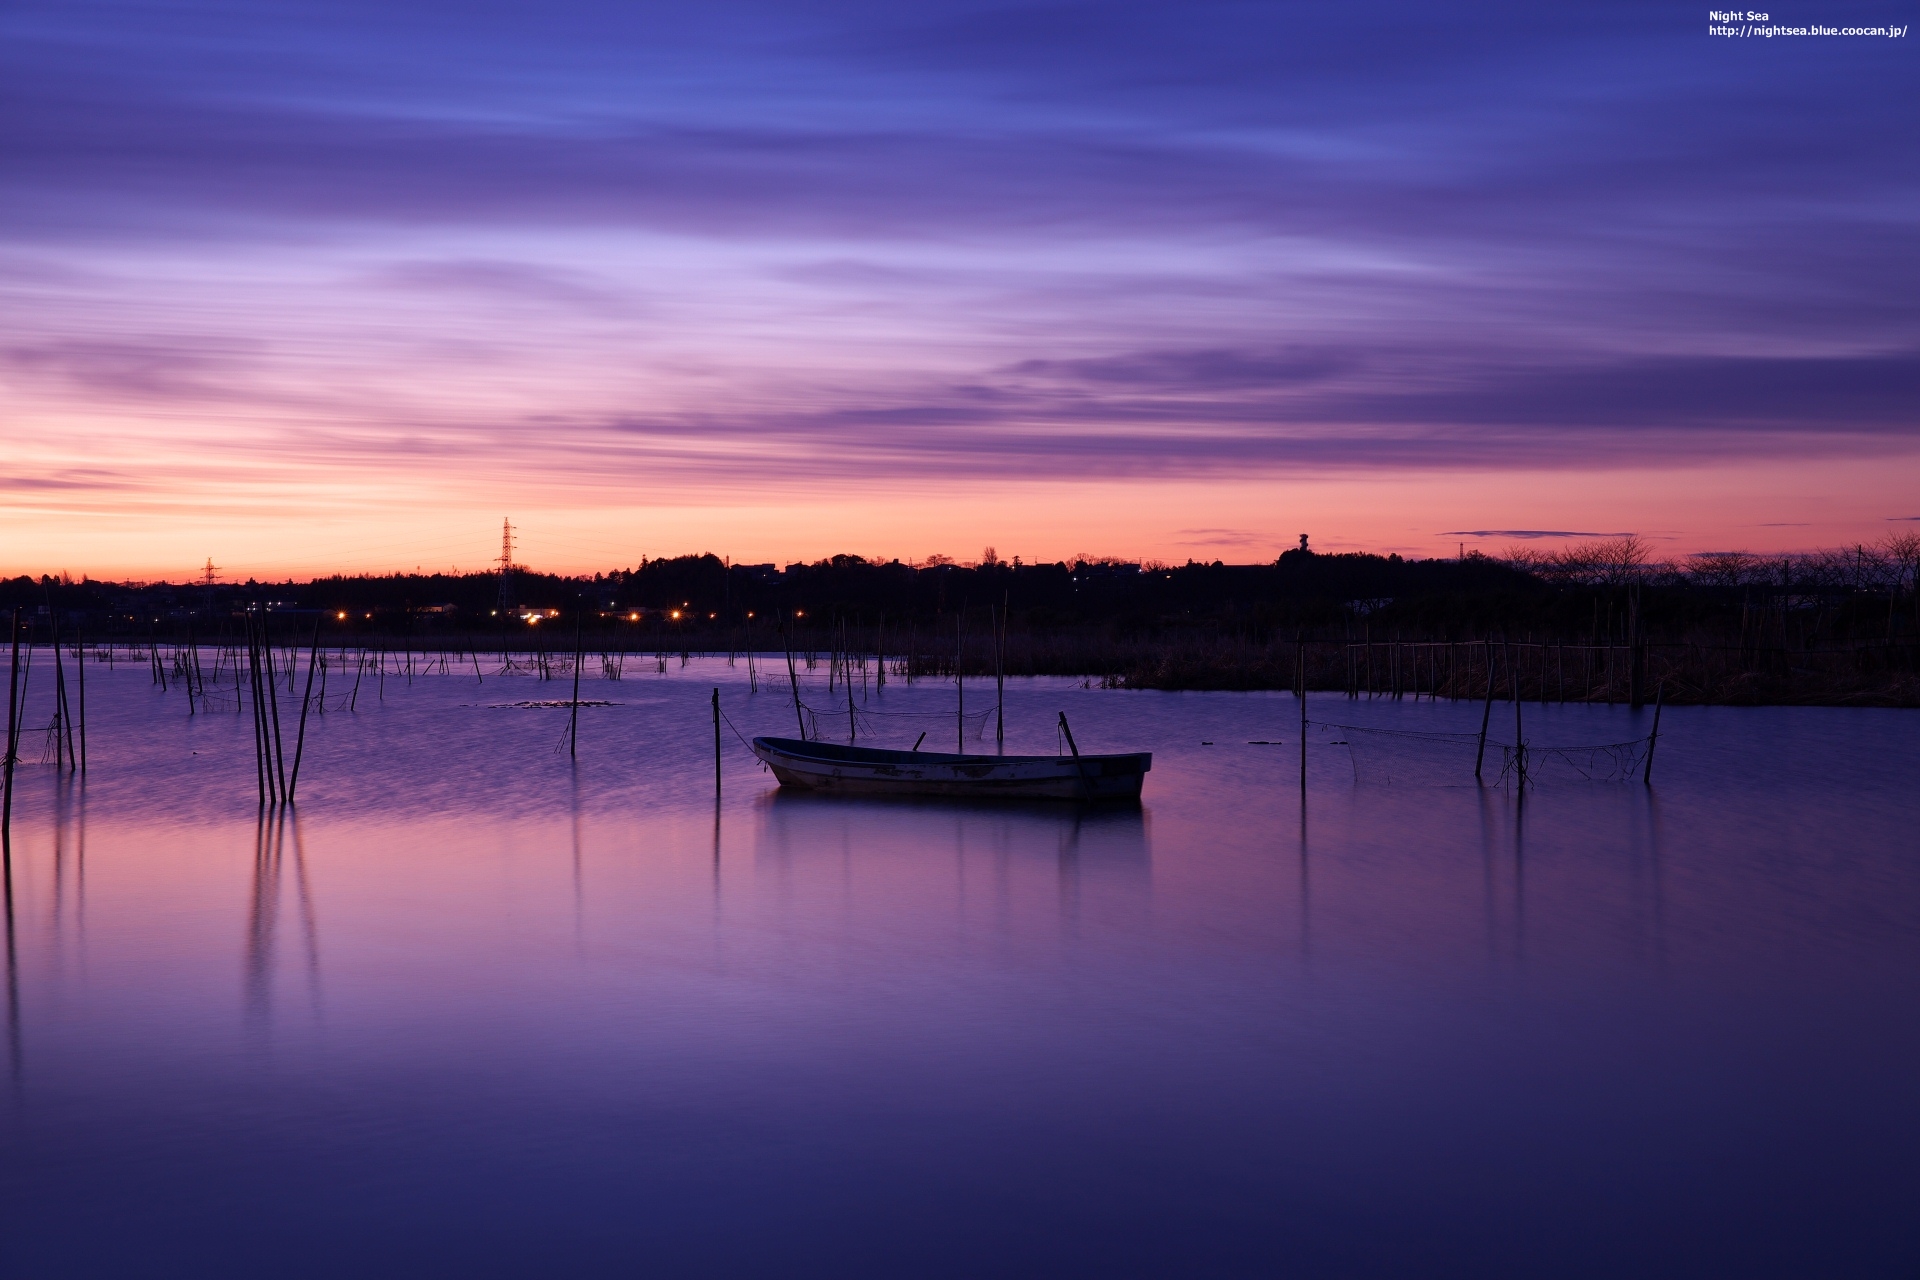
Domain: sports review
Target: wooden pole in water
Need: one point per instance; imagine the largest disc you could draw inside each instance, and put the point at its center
(1653, 740)
(1486, 712)
(716, 743)
(63, 722)
(13, 725)
(959, 685)
(306, 700)
(192, 649)
(1300, 650)
(279, 770)
(256, 669)
(853, 730)
(1000, 681)
(1519, 745)
(573, 723)
(1085, 784)
(793, 680)
(259, 732)
(80, 671)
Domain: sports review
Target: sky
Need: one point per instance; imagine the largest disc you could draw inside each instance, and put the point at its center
(304, 288)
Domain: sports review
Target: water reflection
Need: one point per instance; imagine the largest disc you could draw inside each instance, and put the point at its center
(1306, 914)
(13, 960)
(1131, 1039)
(579, 897)
(1110, 841)
(276, 828)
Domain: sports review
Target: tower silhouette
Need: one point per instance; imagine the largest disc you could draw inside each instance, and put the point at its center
(505, 602)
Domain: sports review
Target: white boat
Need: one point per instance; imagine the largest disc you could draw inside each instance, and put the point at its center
(830, 767)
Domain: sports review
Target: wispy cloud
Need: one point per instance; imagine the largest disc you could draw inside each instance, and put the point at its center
(1527, 533)
(1223, 538)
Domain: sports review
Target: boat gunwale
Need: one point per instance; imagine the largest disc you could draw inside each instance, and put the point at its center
(858, 755)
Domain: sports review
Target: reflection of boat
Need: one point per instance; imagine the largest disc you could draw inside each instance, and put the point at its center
(826, 766)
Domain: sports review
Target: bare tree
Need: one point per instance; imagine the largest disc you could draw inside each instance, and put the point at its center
(1612, 562)
(1527, 559)
(1723, 568)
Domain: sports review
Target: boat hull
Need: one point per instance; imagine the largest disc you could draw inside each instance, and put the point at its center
(829, 767)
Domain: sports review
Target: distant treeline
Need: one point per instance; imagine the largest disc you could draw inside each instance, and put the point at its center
(1191, 625)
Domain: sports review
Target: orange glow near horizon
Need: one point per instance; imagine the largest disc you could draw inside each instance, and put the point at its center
(1768, 505)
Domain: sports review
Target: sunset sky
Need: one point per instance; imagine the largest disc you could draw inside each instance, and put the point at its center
(306, 288)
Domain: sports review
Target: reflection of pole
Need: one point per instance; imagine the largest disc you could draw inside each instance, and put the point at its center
(1306, 920)
(13, 958)
(306, 912)
(6, 849)
(716, 743)
(260, 917)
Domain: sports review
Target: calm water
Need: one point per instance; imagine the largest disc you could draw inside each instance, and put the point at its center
(477, 1012)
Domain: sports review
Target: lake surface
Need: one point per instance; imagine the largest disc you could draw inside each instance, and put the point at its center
(476, 1010)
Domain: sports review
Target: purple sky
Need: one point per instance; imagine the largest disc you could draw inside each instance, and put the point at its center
(324, 286)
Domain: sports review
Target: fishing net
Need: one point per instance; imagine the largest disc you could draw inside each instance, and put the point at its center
(1412, 758)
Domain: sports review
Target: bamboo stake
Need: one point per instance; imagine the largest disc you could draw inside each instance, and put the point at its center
(279, 770)
(1000, 680)
(1653, 740)
(573, 723)
(1300, 651)
(306, 700)
(1486, 713)
(261, 775)
(13, 728)
(716, 743)
(80, 670)
(793, 679)
(1519, 746)
(959, 685)
(63, 718)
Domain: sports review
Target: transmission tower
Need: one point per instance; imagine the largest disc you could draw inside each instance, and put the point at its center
(210, 574)
(505, 603)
